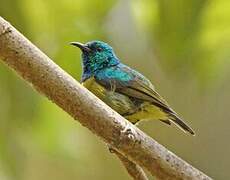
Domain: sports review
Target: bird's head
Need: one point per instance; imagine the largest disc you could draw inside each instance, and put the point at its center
(96, 55)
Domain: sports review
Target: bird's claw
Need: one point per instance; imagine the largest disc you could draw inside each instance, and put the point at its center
(128, 131)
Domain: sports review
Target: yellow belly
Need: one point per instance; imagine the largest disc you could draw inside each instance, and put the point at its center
(119, 102)
(147, 111)
(94, 87)
(124, 105)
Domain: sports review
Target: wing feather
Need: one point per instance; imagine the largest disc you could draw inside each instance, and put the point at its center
(136, 85)
(129, 82)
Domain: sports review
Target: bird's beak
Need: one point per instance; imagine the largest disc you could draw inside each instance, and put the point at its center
(83, 47)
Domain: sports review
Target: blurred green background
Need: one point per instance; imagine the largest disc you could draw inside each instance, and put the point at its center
(181, 46)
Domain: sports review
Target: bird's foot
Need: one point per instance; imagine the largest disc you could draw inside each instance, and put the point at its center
(128, 131)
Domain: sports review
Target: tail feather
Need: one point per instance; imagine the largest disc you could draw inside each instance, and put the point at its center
(177, 121)
(168, 122)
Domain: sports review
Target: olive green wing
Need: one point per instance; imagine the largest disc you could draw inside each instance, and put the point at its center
(131, 83)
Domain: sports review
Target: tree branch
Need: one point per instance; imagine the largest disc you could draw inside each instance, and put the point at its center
(133, 169)
(50, 80)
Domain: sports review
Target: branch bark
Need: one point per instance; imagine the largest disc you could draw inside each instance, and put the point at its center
(133, 169)
(49, 79)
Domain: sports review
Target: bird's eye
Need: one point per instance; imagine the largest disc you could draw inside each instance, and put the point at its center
(99, 49)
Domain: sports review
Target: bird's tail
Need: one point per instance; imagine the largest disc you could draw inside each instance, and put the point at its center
(181, 124)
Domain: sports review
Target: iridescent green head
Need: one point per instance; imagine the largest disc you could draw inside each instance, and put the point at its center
(96, 55)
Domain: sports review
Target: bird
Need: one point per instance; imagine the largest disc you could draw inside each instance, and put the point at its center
(124, 89)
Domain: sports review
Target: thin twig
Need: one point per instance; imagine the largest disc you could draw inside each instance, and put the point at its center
(134, 170)
(49, 79)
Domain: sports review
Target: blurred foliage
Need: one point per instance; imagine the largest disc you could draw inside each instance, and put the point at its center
(182, 46)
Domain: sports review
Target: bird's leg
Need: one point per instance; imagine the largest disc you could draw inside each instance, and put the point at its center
(112, 86)
(128, 131)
